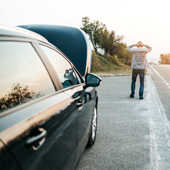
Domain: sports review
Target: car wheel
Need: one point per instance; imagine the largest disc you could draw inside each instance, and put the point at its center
(92, 137)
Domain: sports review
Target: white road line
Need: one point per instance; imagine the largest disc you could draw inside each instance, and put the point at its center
(160, 76)
(155, 71)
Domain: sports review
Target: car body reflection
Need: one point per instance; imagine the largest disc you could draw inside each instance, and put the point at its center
(17, 96)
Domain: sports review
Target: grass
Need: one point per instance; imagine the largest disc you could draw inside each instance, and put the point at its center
(100, 65)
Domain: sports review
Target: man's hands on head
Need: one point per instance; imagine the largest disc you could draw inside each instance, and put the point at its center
(140, 44)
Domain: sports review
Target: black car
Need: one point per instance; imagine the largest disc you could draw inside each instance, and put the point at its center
(48, 110)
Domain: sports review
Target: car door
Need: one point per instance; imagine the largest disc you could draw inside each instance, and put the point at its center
(37, 121)
(82, 99)
(85, 119)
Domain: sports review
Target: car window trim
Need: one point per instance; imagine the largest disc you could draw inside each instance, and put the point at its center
(20, 39)
(58, 51)
(72, 87)
(48, 66)
(77, 73)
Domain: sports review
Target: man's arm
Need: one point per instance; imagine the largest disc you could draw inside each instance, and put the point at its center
(130, 47)
(148, 47)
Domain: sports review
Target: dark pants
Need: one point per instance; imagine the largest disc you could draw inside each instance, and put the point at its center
(141, 73)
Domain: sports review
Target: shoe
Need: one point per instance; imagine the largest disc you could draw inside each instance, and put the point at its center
(141, 98)
(131, 96)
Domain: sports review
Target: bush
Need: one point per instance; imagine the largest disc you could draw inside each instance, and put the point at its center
(96, 64)
(114, 59)
(128, 63)
(102, 65)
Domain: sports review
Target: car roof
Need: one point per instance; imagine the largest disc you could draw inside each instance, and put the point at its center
(20, 32)
(73, 42)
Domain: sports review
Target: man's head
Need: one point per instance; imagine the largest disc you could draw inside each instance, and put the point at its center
(140, 44)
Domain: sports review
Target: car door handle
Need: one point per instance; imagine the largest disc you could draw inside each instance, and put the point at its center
(37, 141)
(79, 103)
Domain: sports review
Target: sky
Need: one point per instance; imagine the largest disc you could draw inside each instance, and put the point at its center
(137, 20)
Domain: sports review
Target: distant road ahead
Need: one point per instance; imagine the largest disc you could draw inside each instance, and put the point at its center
(161, 78)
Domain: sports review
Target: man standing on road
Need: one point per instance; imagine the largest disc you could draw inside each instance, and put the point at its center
(139, 64)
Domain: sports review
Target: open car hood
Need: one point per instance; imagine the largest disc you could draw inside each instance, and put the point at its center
(73, 42)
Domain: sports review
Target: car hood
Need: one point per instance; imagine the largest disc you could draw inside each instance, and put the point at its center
(73, 42)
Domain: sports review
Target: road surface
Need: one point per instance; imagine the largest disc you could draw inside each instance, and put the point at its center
(161, 78)
(132, 134)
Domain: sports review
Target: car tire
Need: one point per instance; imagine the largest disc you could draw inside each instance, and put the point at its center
(93, 131)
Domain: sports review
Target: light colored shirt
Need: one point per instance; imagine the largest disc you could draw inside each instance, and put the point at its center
(139, 60)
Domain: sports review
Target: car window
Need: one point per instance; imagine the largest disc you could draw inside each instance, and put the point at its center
(23, 76)
(63, 68)
(78, 77)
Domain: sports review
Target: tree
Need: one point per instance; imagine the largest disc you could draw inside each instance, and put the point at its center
(109, 41)
(122, 52)
(106, 43)
(162, 58)
(94, 29)
(101, 38)
(165, 58)
(128, 56)
(17, 96)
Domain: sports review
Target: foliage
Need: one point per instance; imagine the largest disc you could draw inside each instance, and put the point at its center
(109, 42)
(122, 52)
(114, 59)
(165, 58)
(102, 65)
(17, 96)
(94, 29)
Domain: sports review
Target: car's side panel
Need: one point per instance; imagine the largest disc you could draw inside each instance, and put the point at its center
(57, 116)
(85, 120)
(7, 160)
(84, 116)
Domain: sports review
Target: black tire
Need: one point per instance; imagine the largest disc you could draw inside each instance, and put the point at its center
(93, 131)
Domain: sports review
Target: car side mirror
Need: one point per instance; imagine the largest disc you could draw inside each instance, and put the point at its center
(92, 80)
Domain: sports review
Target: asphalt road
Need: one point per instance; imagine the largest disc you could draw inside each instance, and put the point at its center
(132, 134)
(161, 78)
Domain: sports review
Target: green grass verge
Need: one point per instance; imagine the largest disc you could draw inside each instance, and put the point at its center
(103, 66)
